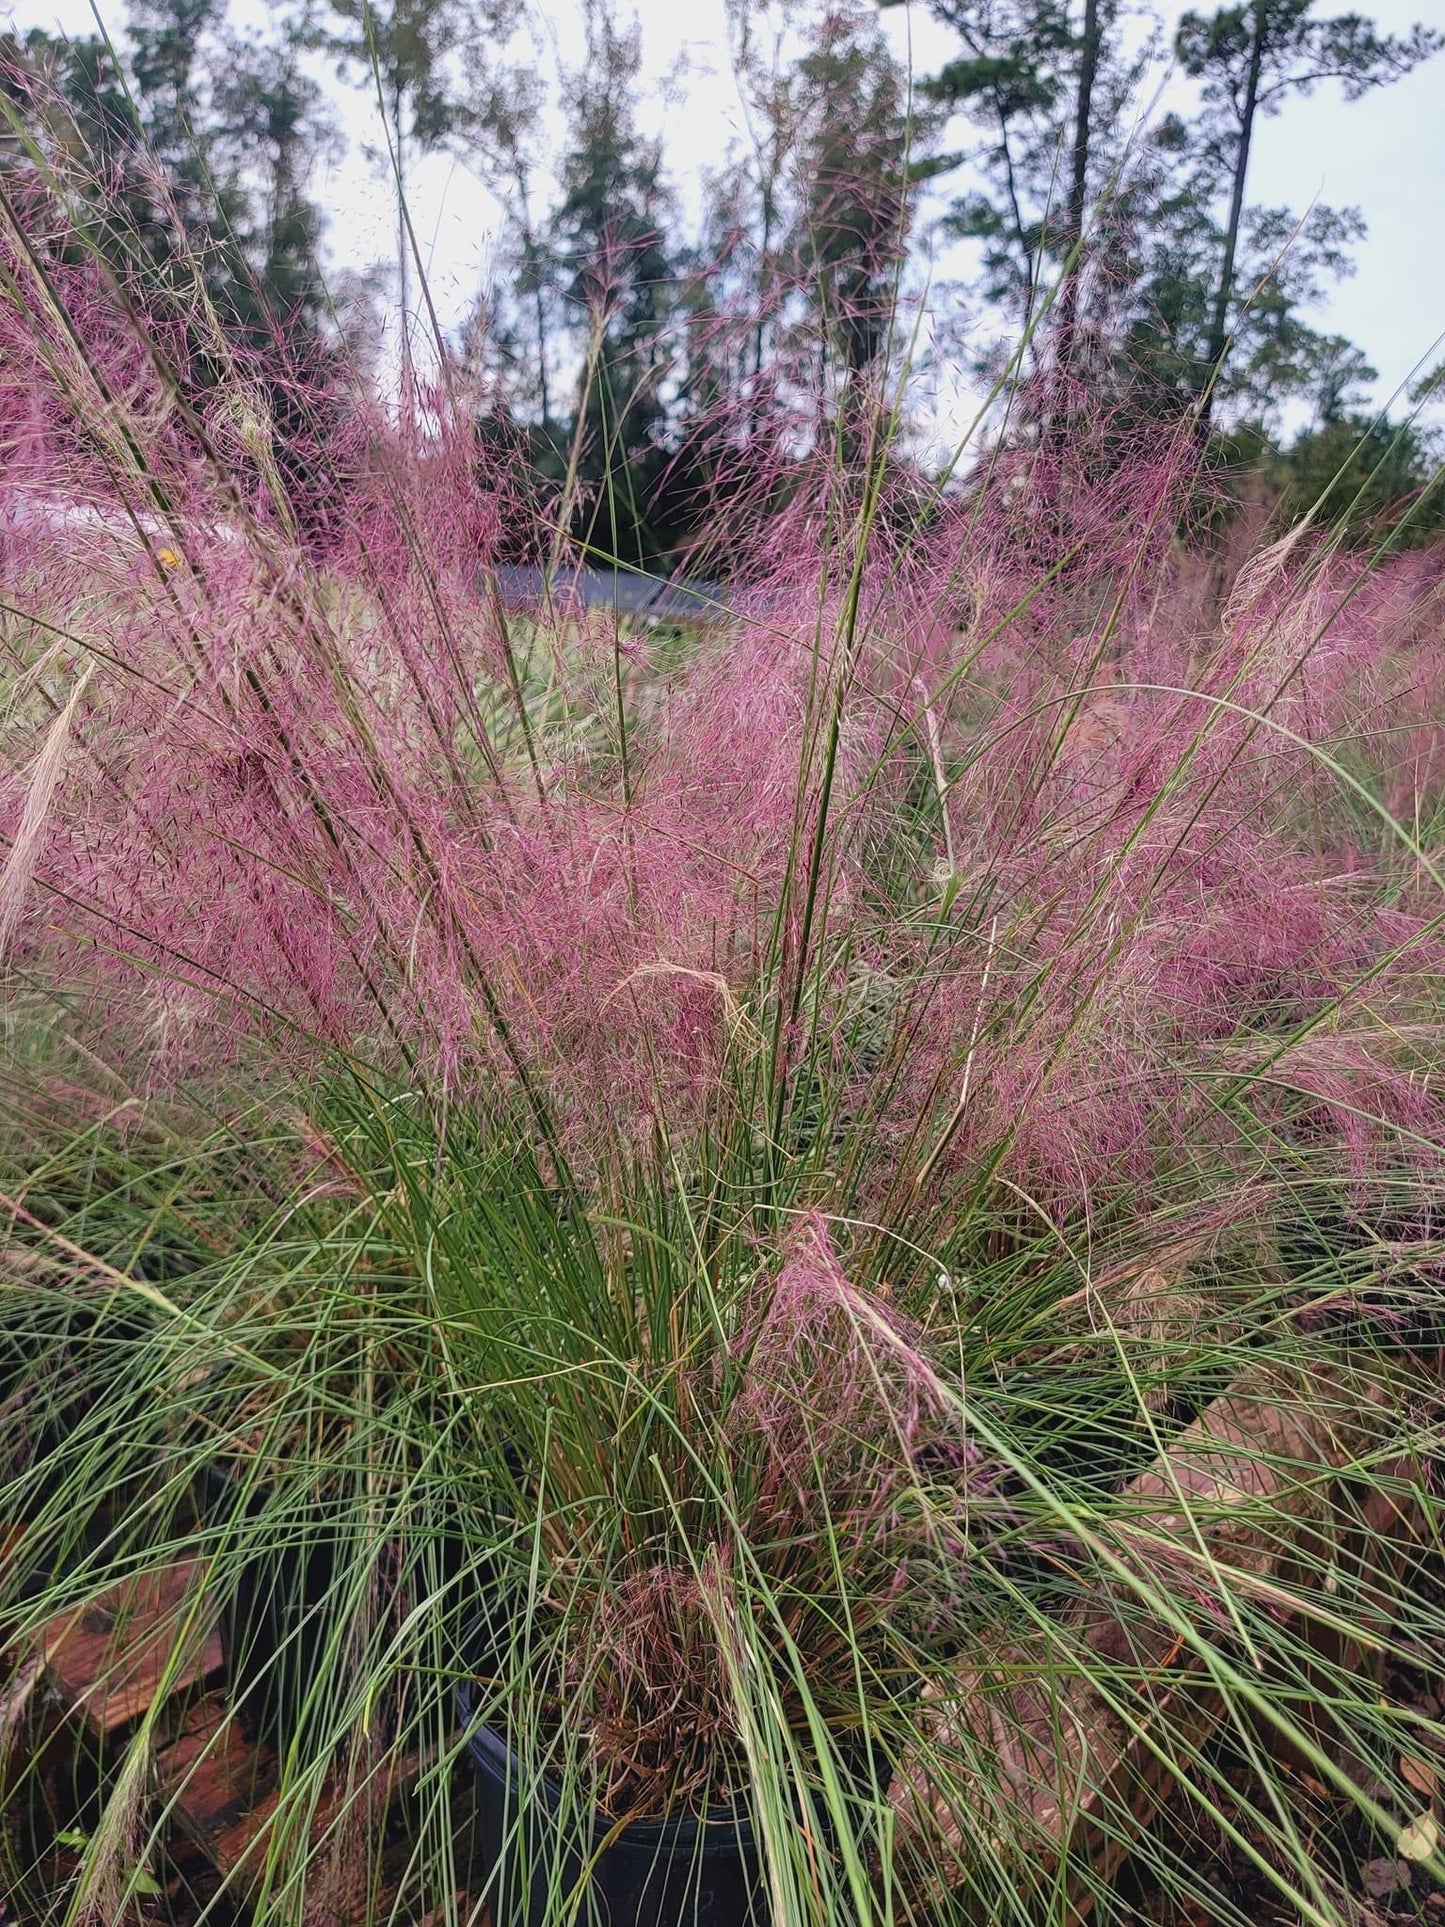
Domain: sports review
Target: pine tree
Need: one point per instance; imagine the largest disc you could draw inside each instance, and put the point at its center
(501, 127)
(404, 53)
(608, 238)
(859, 156)
(1251, 58)
(1171, 242)
(1044, 83)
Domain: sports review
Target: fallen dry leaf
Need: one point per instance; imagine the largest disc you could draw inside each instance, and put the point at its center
(1419, 1838)
(1384, 1877)
(1419, 1774)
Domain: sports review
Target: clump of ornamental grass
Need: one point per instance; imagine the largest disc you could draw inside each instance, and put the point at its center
(704, 1167)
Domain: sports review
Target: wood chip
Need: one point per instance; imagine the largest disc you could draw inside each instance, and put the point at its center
(1073, 1776)
(110, 1660)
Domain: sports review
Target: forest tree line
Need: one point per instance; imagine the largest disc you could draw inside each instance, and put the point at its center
(648, 356)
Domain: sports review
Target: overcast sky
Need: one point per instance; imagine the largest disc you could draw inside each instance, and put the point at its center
(1384, 154)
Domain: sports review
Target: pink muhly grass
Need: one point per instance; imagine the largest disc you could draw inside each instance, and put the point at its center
(321, 789)
(841, 1416)
(655, 1689)
(852, 1499)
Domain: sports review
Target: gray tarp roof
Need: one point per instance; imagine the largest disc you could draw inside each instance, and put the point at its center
(626, 591)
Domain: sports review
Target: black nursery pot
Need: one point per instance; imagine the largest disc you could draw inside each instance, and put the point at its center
(282, 1605)
(50, 1386)
(684, 1872)
(279, 1611)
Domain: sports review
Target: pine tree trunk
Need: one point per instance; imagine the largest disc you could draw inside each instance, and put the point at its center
(1219, 322)
(1079, 183)
(539, 309)
(402, 262)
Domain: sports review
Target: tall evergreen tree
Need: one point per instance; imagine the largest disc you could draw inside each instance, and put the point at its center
(1171, 241)
(810, 223)
(1044, 83)
(233, 128)
(616, 273)
(740, 303)
(272, 131)
(189, 177)
(1250, 59)
(404, 51)
(859, 156)
(195, 161)
(501, 126)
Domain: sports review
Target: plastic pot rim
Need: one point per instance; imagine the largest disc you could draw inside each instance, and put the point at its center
(730, 1825)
